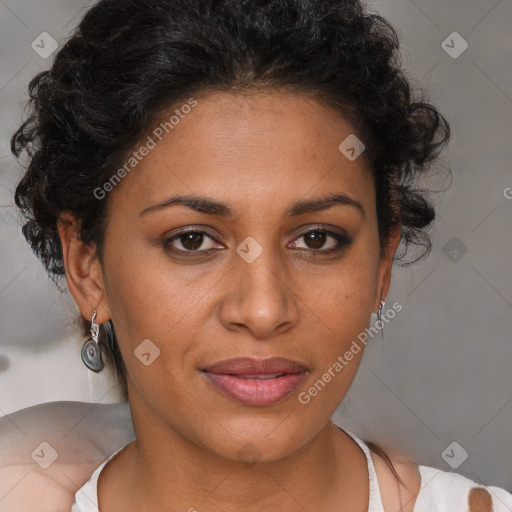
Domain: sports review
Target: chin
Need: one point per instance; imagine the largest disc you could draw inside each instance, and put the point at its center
(266, 440)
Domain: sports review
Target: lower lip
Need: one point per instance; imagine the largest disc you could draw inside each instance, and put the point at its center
(255, 392)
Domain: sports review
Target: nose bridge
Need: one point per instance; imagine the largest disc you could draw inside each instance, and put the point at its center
(262, 274)
(261, 298)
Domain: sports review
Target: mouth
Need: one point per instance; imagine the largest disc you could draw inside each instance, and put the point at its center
(256, 382)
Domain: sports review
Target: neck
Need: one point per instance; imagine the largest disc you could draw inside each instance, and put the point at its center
(164, 470)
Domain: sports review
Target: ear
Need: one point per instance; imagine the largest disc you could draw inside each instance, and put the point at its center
(84, 274)
(385, 265)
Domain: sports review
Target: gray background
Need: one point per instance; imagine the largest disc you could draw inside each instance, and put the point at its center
(441, 373)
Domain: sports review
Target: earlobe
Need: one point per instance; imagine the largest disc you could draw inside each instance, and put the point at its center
(84, 274)
(386, 265)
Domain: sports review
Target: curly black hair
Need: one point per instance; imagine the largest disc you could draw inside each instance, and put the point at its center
(129, 61)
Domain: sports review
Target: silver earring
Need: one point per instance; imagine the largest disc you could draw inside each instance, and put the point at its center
(91, 351)
(379, 313)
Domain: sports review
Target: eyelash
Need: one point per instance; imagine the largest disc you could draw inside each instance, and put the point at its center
(342, 242)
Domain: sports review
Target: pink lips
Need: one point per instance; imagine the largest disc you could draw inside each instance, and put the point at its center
(256, 382)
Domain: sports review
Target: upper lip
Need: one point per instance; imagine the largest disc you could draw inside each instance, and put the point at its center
(248, 365)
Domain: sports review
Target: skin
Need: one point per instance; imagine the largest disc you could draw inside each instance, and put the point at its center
(258, 153)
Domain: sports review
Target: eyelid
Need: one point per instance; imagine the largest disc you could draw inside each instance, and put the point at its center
(197, 228)
(343, 240)
(325, 228)
(169, 239)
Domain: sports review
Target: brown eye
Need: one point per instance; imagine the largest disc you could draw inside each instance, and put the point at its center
(315, 239)
(320, 241)
(191, 242)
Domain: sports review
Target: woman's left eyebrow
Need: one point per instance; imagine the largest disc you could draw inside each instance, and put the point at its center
(323, 203)
(210, 206)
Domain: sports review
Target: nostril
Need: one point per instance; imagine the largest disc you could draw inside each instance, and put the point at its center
(480, 500)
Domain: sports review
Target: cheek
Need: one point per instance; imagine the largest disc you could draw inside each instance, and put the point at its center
(342, 299)
(145, 313)
(141, 288)
(341, 312)
(156, 344)
(150, 300)
(342, 317)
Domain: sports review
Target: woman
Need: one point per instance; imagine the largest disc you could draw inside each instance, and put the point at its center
(224, 186)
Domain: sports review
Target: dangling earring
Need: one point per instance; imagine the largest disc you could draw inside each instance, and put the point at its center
(379, 318)
(379, 313)
(91, 351)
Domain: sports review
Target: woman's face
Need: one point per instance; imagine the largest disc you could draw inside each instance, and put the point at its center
(245, 282)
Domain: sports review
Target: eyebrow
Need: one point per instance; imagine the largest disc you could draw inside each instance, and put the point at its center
(214, 207)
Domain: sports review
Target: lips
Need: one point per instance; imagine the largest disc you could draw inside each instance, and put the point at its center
(256, 382)
(249, 366)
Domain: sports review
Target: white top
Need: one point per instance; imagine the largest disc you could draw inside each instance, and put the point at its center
(46, 448)
(440, 491)
(86, 498)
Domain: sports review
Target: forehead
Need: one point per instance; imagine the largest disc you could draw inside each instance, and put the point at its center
(275, 121)
(246, 148)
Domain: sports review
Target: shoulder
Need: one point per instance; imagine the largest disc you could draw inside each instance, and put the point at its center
(455, 491)
(48, 451)
(393, 493)
(429, 489)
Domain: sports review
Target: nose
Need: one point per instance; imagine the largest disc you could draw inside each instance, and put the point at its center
(260, 297)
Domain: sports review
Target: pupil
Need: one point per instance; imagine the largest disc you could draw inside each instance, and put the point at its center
(317, 238)
(192, 240)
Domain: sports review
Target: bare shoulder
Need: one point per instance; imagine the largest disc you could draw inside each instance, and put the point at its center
(395, 494)
(48, 451)
(26, 487)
